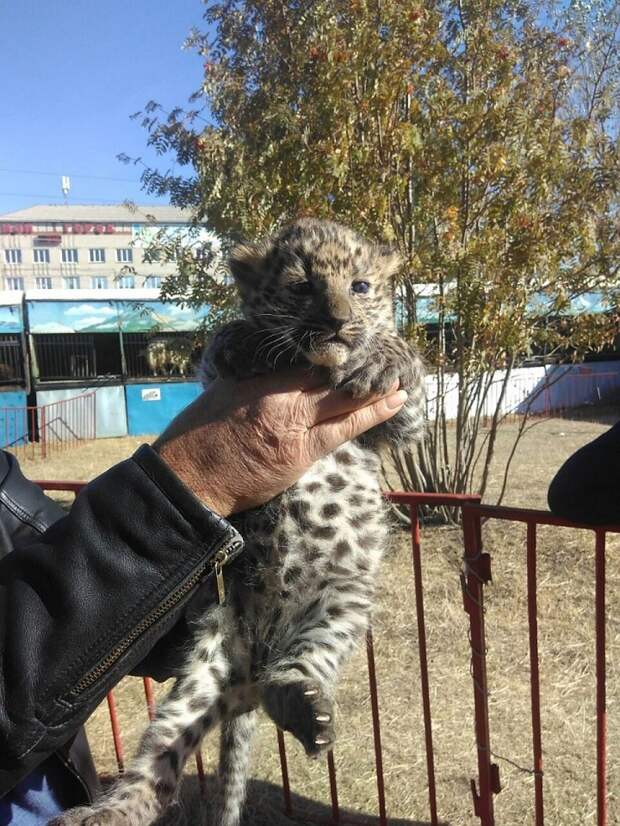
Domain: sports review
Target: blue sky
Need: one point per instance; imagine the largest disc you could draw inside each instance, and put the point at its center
(73, 71)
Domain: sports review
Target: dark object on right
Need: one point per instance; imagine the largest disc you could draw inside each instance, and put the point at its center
(587, 486)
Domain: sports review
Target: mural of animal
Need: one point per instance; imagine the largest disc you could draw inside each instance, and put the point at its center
(167, 356)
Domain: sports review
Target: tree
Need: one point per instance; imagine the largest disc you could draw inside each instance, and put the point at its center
(472, 135)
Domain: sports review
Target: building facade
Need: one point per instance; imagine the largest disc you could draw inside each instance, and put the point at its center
(77, 247)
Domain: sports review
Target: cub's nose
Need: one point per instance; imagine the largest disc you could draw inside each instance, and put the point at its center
(336, 324)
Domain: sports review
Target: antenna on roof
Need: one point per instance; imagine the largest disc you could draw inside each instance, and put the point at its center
(65, 185)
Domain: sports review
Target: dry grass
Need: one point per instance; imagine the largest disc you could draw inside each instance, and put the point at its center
(566, 623)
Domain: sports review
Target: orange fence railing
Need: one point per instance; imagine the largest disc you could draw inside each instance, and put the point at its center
(475, 576)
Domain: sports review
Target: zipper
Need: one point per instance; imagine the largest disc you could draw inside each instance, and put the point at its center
(215, 564)
(220, 559)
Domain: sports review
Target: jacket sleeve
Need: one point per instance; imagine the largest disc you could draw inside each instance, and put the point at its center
(587, 486)
(83, 603)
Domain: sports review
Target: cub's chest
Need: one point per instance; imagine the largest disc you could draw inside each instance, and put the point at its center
(333, 515)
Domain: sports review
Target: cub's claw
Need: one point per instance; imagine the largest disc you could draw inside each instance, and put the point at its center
(305, 711)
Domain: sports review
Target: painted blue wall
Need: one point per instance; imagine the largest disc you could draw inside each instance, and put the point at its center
(110, 407)
(146, 416)
(567, 386)
(13, 423)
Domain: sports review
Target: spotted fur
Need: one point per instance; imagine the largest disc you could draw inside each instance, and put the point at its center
(301, 593)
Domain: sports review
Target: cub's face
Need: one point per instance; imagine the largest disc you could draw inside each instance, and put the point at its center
(319, 288)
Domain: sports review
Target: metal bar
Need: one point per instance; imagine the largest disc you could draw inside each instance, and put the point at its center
(532, 607)
(50, 484)
(33, 428)
(333, 787)
(200, 769)
(433, 499)
(527, 515)
(116, 733)
(43, 433)
(286, 789)
(426, 698)
(483, 800)
(601, 700)
(150, 698)
(376, 727)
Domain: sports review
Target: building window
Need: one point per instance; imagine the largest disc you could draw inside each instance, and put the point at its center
(124, 256)
(153, 281)
(126, 282)
(13, 256)
(12, 361)
(41, 256)
(99, 282)
(151, 256)
(69, 256)
(72, 282)
(43, 283)
(97, 255)
(14, 283)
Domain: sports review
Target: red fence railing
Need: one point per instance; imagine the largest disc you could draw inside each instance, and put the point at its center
(475, 576)
(49, 428)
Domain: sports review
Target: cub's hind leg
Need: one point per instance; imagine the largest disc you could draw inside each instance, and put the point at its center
(235, 746)
(298, 681)
(192, 707)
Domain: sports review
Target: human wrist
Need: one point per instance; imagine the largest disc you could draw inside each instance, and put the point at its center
(180, 461)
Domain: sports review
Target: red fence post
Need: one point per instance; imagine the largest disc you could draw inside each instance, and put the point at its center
(477, 573)
(333, 787)
(532, 608)
(376, 727)
(601, 700)
(426, 697)
(43, 433)
(286, 788)
(116, 733)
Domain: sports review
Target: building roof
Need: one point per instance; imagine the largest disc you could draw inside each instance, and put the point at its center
(100, 214)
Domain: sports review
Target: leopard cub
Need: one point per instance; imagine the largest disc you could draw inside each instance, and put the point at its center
(319, 296)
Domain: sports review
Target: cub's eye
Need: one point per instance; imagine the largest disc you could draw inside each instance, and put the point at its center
(302, 288)
(360, 286)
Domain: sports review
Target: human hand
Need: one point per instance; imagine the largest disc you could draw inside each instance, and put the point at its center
(241, 443)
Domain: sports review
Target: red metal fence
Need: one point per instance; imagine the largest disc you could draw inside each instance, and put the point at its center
(475, 576)
(49, 428)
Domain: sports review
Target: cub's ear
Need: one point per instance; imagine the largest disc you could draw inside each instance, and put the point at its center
(247, 263)
(388, 261)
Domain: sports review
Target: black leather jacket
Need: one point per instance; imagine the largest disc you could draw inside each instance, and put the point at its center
(85, 597)
(587, 486)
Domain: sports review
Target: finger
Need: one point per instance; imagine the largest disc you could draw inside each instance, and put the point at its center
(330, 434)
(322, 404)
(286, 381)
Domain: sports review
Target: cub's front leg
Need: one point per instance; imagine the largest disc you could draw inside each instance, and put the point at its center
(240, 350)
(389, 359)
(149, 785)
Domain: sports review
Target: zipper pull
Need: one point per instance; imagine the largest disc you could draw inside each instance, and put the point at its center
(219, 577)
(220, 559)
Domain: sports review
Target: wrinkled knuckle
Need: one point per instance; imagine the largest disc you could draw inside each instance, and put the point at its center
(290, 452)
(354, 424)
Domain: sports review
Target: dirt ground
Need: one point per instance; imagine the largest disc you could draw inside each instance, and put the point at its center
(566, 645)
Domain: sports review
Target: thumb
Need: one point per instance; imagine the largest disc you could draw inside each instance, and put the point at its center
(330, 434)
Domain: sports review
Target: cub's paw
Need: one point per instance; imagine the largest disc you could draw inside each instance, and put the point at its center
(304, 710)
(91, 817)
(376, 376)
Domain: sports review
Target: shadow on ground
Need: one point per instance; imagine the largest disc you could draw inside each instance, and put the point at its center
(264, 807)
